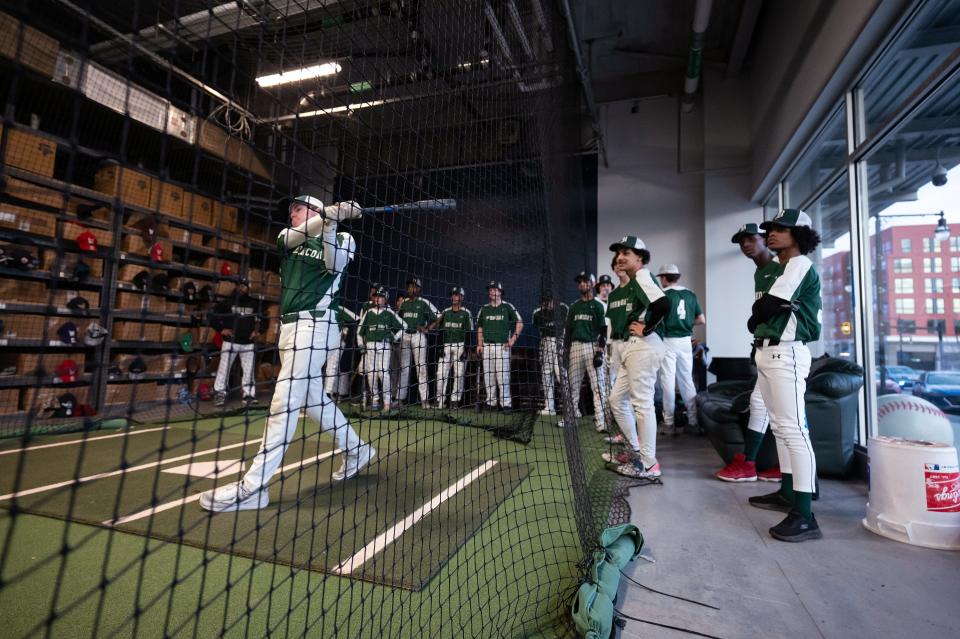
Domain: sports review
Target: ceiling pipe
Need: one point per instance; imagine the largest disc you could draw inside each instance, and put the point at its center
(585, 81)
(701, 20)
(517, 23)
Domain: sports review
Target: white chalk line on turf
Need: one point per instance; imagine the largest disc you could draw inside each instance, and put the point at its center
(391, 534)
(132, 469)
(192, 498)
(83, 440)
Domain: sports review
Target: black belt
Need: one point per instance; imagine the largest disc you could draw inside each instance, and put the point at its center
(413, 332)
(760, 342)
(289, 318)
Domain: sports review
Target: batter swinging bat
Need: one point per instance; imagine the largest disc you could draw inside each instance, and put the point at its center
(420, 205)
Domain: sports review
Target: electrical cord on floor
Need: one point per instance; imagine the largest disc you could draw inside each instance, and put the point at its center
(665, 625)
(667, 594)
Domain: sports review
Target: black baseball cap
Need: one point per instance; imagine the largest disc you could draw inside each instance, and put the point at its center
(457, 290)
(605, 279)
(78, 304)
(744, 230)
(495, 284)
(583, 276)
(413, 279)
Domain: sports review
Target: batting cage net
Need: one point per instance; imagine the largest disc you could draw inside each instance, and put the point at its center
(281, 313)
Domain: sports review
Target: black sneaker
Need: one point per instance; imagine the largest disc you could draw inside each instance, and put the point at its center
(774, 501)
(796, 527)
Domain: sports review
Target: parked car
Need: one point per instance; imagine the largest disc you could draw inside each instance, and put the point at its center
(890, 387)
(904, 376)
(941, 388)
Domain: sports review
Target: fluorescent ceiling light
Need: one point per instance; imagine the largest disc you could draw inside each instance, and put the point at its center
(343, 108)
(299, 75)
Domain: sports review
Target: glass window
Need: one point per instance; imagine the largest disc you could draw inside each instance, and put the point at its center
(956, 305)
(934, 306)
(925, 44)
(903, 265)
(955, 264)
(933, 285)
(772, 205)
(826, 154)
(955, 245)
(905, 245)
(904, 285)
(930, 245)
(932, 265)
(904, 306)
(955, 285)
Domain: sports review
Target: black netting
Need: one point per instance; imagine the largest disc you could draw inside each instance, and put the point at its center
(150, 163)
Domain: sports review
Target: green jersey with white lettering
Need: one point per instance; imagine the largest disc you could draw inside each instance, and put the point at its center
(684, 309)
(417, 312)
(585, 321)
(380, 325)
(798, 282)
(629, 303)
(306, 284)
(550, 321)
(454, 325)
(497, 322)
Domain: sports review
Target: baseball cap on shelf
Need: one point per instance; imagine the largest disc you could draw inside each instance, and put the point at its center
(95, 334)
(78, 304)
(137, 368)
(67, 371)
(788, 218)
(583, 276)
(156, 253)
(67, 333)
(66, 405)
(605, 279)
(158, 283)
(186, 342)
(744, 230)
(17, 257)
(413, 279)
(457, 290)
(309, 201)
(87, 241)
(142, 280)
(203, 391)
(628, 242)
(81, 271)
(206, 293)
(669, 269)
(189, 292)
(495, 284)
(226, 269)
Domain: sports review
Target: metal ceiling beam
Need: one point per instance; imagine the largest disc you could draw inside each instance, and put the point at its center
(584, 75)
(741, 40)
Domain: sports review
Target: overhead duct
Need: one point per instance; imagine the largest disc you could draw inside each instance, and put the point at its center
(701, 20)
(525, 87)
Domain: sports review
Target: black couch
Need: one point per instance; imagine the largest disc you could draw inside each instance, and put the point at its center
(831, 402)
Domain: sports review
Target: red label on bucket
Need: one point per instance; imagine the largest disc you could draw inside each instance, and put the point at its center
(942, 482)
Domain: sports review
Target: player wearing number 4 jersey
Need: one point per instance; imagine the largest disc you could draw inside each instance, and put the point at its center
(455, 323)
(635, 312)
(676, 370)
(783, 321)
(315, 257)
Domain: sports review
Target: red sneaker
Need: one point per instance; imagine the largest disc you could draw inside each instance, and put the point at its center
(739, 470)
(770, 474)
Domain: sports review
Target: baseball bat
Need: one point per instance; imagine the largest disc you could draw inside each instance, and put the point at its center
(420, 205)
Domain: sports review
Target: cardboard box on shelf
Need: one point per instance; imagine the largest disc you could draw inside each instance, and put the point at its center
(232, 243)
(22, 327)
(71, 230)
(197, 209)
(61, 298)
(132, 301)
(41, 220)
(225, 218)
(54, 323)
(130, 186)
(118, 394)
(29, 151)
(13, 291)
(131, 331)
(35, 50)
(64, 265)
(166, 198)
(33, 363)
(9, 400)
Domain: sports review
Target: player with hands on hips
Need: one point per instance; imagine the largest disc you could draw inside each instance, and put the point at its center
(783, 321)
(549, 320)
(636, 312)
(498, 327)
(314, 260)
(676, 369)
(418, 314)
(585, 337)
(455, 323)
(380, 328)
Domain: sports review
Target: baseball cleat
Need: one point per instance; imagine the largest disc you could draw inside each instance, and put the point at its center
(738, 470)
(770, 474)
(796, 527)
(616, 458)
(560, 423)
(601, 428)
(664, 428)
(353, 463)
(234, 497)
(636, 470)
(773, 501)
(220, 399)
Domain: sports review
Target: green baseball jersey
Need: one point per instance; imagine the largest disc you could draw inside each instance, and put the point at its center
(629, 303)
(418, 312)
(550, 321)
(380, 325)
(346, 317)
(764, 277)
(798, 282)
(684, 309)
(454, 325)
(306, 284)
(366, 306)
(585, 321)
(497, 322)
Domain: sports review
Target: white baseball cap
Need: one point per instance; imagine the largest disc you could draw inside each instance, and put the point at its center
(308, 201)
(669, 269)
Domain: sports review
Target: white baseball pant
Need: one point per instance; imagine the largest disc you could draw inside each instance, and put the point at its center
(758, 412)
(376, 363)
(549, 369)
(782, 379)
(450, 359)
(632, 398)
(581, 359)
(228, 351)
(414, 346)
(335, 378)
(496, 373)
(676, 371)
(303, 349)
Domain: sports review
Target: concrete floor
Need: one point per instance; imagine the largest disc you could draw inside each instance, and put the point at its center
(708, 544)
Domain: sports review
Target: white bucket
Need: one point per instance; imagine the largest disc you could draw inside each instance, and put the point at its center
(914, 492)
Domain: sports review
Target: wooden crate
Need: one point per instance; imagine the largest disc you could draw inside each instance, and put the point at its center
(166, 198)
(225, 218)
(72, 230)
(127, 272)
(118, 394)
(232, 243)
(135, 331)
(135, 244)
(215, 264)
(36, 51)
(63, 265)
(19, 327)
(13, 291)
(132, 301)
(30, 152)
(32, 363)
(36, 399)
(9, 400)
(60, 299)
(197, 209)
(130, 186)
(27, 219)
